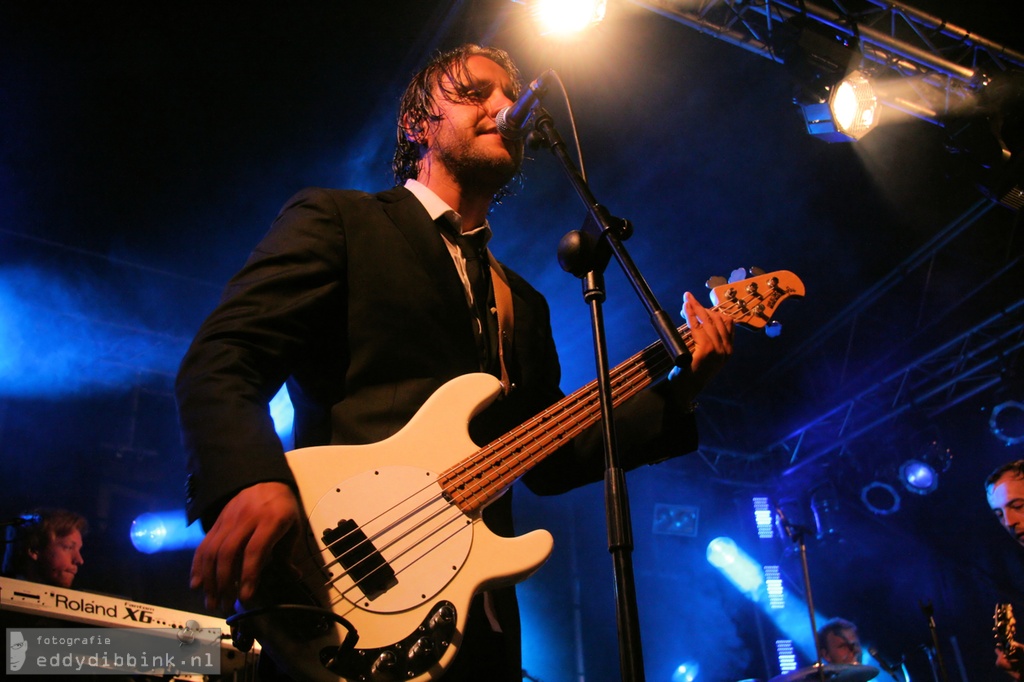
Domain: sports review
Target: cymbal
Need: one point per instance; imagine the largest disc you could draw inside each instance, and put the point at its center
(831, 672)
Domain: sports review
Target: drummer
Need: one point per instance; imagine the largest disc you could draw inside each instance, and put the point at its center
(838, 642)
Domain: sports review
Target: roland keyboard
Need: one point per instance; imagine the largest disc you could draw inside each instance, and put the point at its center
(88, 608)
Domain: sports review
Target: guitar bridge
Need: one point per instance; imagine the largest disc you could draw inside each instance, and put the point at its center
(403, 660)
(360, 558)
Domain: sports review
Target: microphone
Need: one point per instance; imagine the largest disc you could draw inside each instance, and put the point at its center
(887, 665)
(784, 523)
(511, 119)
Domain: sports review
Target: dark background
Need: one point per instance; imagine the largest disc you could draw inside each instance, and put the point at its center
(145, 148)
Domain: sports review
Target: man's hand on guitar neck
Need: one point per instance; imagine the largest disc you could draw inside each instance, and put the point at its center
(712, 335)
(1006, 665)
(229, 561)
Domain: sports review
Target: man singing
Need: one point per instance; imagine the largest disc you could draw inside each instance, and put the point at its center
(366, 304)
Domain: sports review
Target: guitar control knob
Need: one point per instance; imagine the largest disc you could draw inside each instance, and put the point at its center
(421, 648)
(444, 616)
(386, 661)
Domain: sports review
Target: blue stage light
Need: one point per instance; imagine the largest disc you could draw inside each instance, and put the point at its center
(763, 517)
(686, 672)
(881, 498)
(786, 654)
(750, 578)
(283, 413)
(736, 565)
(918, 477)
(774, 587)
(165, 531)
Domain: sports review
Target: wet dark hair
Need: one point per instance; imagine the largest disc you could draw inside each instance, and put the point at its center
(1015, 467)
(40, 527)
(447, 71)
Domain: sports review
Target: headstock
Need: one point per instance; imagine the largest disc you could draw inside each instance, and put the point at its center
(753, 301)
(1005, 630)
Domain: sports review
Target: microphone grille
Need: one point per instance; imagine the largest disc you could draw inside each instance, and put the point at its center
(505, 129)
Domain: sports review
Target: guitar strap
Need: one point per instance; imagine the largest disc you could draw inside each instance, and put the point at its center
(503, 303)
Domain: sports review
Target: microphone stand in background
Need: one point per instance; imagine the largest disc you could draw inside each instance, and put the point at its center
(934, 653)
(797, 534)
(585, 253)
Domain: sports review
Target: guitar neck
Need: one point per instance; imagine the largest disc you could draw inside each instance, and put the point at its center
(479, 479)
(476, 481)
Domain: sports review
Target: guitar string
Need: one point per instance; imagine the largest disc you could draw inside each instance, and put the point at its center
(624, 387)
(575, 407)
(582, 399)
(569, 407)
(447, 506)
(420, 523)
(456, 517)
(624, 377)
(627, 386)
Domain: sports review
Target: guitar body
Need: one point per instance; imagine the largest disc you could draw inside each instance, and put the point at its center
(387, 552)
(395, 548)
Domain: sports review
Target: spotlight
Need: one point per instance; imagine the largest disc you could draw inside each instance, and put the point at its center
(164, 531)
(919, 477)
(566, 17)
(920, 474)
(1007, 422)
(847, 112)
(881, 498)
(738, 566)
(686, 672)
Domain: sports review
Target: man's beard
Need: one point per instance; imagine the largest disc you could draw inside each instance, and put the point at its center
(476, 171)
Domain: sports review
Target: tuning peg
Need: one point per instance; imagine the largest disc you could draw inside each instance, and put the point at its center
(737, 275)
(756, 271)
(715, 281)
(773, 329)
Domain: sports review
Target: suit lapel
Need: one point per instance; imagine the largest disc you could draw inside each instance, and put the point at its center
(414, 223)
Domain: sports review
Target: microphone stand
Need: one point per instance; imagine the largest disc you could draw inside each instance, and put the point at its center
(796, 534)
(585, 253)
(938, 664)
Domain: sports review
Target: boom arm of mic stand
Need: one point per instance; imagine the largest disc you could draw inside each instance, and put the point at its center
(611, 231)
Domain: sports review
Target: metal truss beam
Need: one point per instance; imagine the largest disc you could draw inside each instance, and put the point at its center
(935, 68)
(932, 70)
(957, 370)
(943, 372)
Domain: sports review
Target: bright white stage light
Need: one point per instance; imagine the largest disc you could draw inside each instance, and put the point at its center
(566, 17)
(854, 105)
(850, 111)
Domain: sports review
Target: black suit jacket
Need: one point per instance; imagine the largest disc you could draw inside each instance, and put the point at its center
(353, 298)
